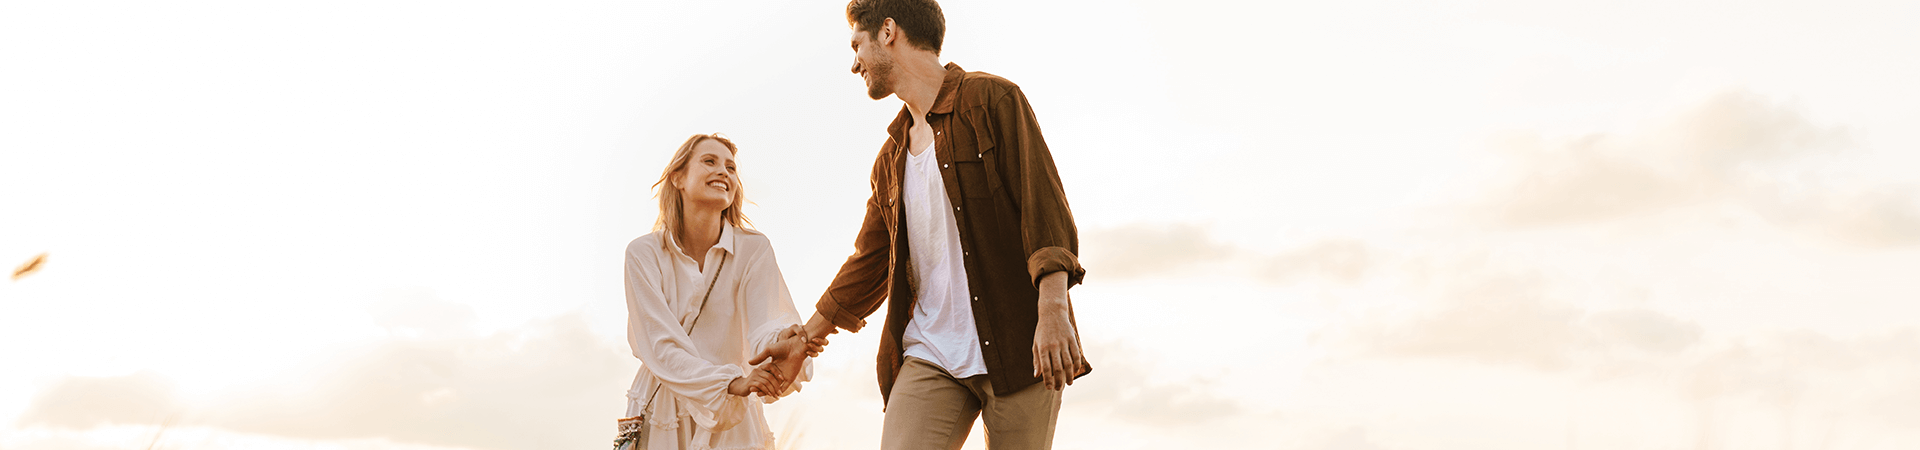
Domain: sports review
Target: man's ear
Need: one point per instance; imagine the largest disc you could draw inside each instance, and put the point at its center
(887, 30)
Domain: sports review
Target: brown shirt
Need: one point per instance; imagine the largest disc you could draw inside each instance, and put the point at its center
(1011, 211)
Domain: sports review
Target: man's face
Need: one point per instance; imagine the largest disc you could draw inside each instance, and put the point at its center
(873, 63)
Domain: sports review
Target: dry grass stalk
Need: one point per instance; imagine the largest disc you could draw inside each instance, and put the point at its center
(30, 267)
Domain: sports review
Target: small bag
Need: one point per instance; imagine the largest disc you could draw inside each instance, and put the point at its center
(633, 433)
(633, 430)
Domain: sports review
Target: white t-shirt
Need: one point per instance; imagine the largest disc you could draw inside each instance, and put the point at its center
(942, 329)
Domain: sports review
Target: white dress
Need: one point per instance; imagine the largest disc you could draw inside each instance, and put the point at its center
(749, 307)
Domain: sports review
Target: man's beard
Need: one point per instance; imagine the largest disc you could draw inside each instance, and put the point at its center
(879, 78)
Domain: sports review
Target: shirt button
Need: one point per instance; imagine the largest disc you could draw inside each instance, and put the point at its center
(943, 166)
(986, 343)
(976, 299)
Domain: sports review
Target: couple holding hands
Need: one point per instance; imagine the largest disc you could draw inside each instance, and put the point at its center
(967, 232)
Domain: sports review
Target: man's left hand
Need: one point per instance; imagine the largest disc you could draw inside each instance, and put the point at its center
(1056, 345)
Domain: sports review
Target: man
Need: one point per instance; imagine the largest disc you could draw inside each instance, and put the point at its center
(968, 232)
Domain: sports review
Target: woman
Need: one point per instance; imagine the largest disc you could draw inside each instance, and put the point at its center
(704, 297)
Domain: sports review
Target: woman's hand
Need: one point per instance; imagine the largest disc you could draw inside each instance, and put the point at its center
(787, 356)
(758, 381)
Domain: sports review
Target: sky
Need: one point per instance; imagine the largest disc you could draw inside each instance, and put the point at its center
(1359, 225)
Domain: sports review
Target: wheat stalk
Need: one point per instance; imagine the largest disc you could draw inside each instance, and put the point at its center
(32, 265)
(164, 425)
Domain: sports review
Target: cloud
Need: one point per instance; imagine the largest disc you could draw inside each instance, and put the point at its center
(1712, 150)
(87, 402)
(1119, 388)
(1859, 388)
(1142, 250)
(1512, 319)
(1871, 216)
(1735, 147)
(170, 437)
(1500, 321)
(1344, 260)
(1351, 438)
(549, 384)
(417, 312)
(1643, 330)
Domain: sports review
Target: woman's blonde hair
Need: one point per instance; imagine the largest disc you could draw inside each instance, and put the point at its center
(671, 199)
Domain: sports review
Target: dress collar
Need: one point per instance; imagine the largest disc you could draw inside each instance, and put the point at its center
(726, 241)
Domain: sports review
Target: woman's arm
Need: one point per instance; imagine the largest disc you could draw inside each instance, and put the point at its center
(771, 317)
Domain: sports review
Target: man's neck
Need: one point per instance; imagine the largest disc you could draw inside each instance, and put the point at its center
(920, 77)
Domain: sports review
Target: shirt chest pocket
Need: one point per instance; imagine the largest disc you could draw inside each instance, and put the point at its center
(972, 151)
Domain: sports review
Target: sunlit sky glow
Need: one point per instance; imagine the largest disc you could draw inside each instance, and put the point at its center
(1359, 225)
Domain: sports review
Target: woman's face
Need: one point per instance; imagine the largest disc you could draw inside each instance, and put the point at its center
(709, 179)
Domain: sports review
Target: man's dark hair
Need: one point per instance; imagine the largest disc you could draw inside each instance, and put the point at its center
(924, 24)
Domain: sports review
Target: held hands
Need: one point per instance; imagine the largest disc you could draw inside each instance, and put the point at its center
(793, 341)
(786, 357)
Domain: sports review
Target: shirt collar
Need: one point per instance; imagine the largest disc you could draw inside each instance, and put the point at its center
(942, 103)
(726, 238)
(726, 241)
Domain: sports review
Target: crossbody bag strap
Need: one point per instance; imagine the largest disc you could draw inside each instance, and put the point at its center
(696, 321)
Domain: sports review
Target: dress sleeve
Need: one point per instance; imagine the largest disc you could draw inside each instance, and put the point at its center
(664, 348)
(770, 310)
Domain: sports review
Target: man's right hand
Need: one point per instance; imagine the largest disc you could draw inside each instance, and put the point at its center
(787, 355)
(818, 327)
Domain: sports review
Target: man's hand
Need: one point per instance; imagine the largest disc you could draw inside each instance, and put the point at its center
(1056, 345)
(818, 327)
(787, 355)
(791, 341)
(791, 344)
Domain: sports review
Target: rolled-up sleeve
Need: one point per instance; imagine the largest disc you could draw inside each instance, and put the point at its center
(1051, 241)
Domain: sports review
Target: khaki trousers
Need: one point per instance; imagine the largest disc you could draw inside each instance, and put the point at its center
(929, 409)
